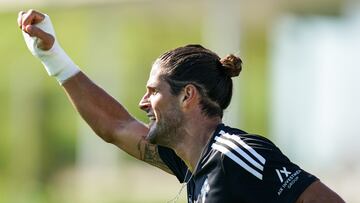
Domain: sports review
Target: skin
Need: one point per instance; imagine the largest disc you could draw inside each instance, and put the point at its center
(165, 116)
(192, 132)
(186, 135)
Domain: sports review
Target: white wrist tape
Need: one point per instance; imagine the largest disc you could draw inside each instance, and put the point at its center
(56, 62)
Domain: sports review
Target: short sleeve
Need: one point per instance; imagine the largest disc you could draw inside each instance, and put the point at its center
(271, 188)
(175, 164)
(252, 169)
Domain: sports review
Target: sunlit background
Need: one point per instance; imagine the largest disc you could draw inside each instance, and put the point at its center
(300, 87)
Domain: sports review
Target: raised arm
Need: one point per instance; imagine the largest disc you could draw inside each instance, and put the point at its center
(107, 117)
(110, 120)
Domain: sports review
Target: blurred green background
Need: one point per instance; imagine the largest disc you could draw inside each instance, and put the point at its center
(115, 43)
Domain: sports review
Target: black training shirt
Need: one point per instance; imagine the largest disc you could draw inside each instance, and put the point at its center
(237, 167)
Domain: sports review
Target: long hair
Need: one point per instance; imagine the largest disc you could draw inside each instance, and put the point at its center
(194, 64)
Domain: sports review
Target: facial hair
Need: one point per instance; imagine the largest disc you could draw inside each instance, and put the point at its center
(165, 131)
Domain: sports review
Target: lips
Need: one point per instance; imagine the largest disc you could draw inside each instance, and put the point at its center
(151, 116)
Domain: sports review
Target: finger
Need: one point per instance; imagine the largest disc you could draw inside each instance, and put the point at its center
(32, 17)
(46, 39)
(19, 19)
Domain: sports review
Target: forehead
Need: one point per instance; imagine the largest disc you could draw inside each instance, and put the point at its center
(154, 78)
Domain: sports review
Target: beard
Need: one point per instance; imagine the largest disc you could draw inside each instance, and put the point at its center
(165, 131)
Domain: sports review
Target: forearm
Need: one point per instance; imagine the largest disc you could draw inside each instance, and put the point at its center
(101, 111)
(107, 117)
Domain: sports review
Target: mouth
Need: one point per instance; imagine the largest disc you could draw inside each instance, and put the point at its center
(151, 117)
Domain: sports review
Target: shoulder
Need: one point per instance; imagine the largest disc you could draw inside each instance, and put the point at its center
(246, 140)
(253, 163)
(248, 151)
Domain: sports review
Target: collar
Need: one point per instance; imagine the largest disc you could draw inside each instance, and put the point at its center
(207, 149)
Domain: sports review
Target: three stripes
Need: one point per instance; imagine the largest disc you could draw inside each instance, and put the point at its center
(241, 153)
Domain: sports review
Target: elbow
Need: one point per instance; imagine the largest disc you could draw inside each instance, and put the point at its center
(105, 135)
(108, 138)
(111, 133)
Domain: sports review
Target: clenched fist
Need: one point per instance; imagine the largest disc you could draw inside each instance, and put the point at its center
(40, 39)
(30, 23)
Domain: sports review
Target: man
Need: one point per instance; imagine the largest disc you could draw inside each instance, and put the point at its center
(187, 91)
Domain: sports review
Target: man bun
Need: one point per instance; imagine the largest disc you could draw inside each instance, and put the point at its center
(232, 65)
(201, 67)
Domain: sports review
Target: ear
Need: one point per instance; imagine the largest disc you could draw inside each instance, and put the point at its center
(190, 96)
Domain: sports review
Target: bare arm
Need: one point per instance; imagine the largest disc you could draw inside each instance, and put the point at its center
(110, 120)
(107, 117)
(318, 192)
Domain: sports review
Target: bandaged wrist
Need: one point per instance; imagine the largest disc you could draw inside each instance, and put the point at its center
(56, 62)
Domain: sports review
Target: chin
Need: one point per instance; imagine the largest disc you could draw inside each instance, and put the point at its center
(162, 133)
(156, 135)
(151, 136)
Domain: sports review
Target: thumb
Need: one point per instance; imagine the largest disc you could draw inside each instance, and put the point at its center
(46, 40)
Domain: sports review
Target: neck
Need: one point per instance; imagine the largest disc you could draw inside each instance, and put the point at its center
(197, 133)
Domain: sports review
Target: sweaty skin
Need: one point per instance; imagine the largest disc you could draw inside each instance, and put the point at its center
(111, 121)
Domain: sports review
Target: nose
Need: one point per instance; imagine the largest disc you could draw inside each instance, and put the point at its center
(144, 103)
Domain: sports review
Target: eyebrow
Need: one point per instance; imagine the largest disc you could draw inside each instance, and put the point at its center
(152, 86)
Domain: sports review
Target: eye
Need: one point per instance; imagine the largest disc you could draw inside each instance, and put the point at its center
(154, 92)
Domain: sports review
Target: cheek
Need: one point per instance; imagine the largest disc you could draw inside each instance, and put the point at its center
(156, 105)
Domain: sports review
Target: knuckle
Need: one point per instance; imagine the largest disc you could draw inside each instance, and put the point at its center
(31, 13)
(25, 17)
